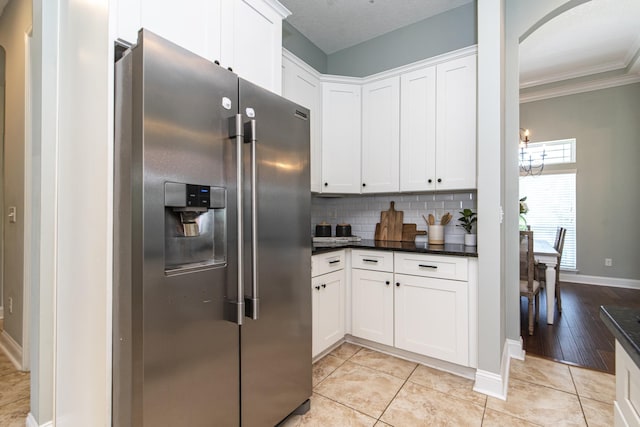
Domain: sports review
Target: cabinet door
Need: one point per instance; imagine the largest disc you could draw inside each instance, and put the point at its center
(432, 317)
(192, 24)
(328, 310)
(340, 138)
(304, 88)
(381, 136)
(456, 124)
(372, 305)
(418, 130)
(252, 41)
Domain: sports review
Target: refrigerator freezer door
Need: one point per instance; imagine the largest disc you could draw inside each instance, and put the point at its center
(276, 348)
(176, 355)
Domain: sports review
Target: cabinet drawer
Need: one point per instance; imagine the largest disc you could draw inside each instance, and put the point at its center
(372, 260)
(326, 263)
(441, 267)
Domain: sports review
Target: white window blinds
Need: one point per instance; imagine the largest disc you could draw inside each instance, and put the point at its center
(551, 198)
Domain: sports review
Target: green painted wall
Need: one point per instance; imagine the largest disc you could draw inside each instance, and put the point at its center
(606, 125)
(433, 36)
(295, 42)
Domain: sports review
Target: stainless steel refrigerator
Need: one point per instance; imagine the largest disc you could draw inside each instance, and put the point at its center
(212, 303)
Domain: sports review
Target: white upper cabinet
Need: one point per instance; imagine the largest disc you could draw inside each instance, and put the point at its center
(303, 87)
(438, 127)
(456, 124)
(380, 135)
(413, 130)
(341, 138)
(252, 45)
(245, 35)
(418, 130)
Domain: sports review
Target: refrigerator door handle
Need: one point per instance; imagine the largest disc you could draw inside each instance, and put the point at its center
(252, 303)
(237, 133)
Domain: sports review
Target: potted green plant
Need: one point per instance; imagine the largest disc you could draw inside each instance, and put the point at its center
(467, 220)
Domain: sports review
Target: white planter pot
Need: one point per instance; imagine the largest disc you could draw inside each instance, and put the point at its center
(470, 239)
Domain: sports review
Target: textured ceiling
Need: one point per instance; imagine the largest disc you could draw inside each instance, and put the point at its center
(333, 25)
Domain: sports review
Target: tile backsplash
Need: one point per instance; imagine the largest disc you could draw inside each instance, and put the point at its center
(363, 212)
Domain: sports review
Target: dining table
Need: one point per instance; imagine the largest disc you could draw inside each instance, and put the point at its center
(545, 253)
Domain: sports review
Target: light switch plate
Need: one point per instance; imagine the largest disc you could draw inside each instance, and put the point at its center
(12, 214)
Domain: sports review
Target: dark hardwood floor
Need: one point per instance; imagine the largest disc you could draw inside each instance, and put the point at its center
(578, 336)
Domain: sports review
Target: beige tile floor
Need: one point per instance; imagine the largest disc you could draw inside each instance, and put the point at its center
(355, 386)
(14, 393)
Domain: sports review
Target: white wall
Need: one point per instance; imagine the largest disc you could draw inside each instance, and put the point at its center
(74, 91)
(84, 225)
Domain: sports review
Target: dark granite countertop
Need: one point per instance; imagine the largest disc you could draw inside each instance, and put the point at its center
(624, 323)
(420, 247)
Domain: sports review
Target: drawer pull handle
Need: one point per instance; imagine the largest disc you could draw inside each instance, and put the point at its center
(375, 261)
(317, 288)
(324, 285)
(433, 267)
(334, 261)
(387, 283)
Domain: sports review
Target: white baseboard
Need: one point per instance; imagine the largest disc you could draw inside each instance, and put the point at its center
(12, 349)
(496, 385)
(31, 422)
(492, 384)
(600, 280)
(516, 351)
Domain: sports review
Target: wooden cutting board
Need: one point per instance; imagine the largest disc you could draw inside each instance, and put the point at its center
(410, 231)
(390, 226)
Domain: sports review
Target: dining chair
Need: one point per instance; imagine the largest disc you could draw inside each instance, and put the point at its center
(540, 275)
(529, 287)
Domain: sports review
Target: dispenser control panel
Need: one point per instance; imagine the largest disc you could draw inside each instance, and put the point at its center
(195, 224)
(179, 195)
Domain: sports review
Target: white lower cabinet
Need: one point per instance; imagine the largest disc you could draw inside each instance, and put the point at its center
(422, 303)
(372, 305)
(626, 410)
(327, 306)
(432, 317)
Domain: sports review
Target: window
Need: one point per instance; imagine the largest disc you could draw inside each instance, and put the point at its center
(551, 197)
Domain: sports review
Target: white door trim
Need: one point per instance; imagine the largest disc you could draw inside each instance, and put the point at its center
(28, 218)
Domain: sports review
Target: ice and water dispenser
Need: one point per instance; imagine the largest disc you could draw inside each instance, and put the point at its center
(195, 226)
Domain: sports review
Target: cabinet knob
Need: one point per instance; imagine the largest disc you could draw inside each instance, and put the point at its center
(216, 62)
(439, 179)
(317, 288)
(386, 283)
(364, 185)
(430, 181)
(324, 286)
(230, 69)
(326, 184)
(398, 284)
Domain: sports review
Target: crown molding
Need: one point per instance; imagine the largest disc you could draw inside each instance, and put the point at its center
(278, 7)
(571, 89)
(582, 72)
(332, 78)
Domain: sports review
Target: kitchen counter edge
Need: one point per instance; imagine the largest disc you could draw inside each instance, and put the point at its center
(379, 245)
(624, 323)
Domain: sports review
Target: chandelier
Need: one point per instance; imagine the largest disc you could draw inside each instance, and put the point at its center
(527, 164)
